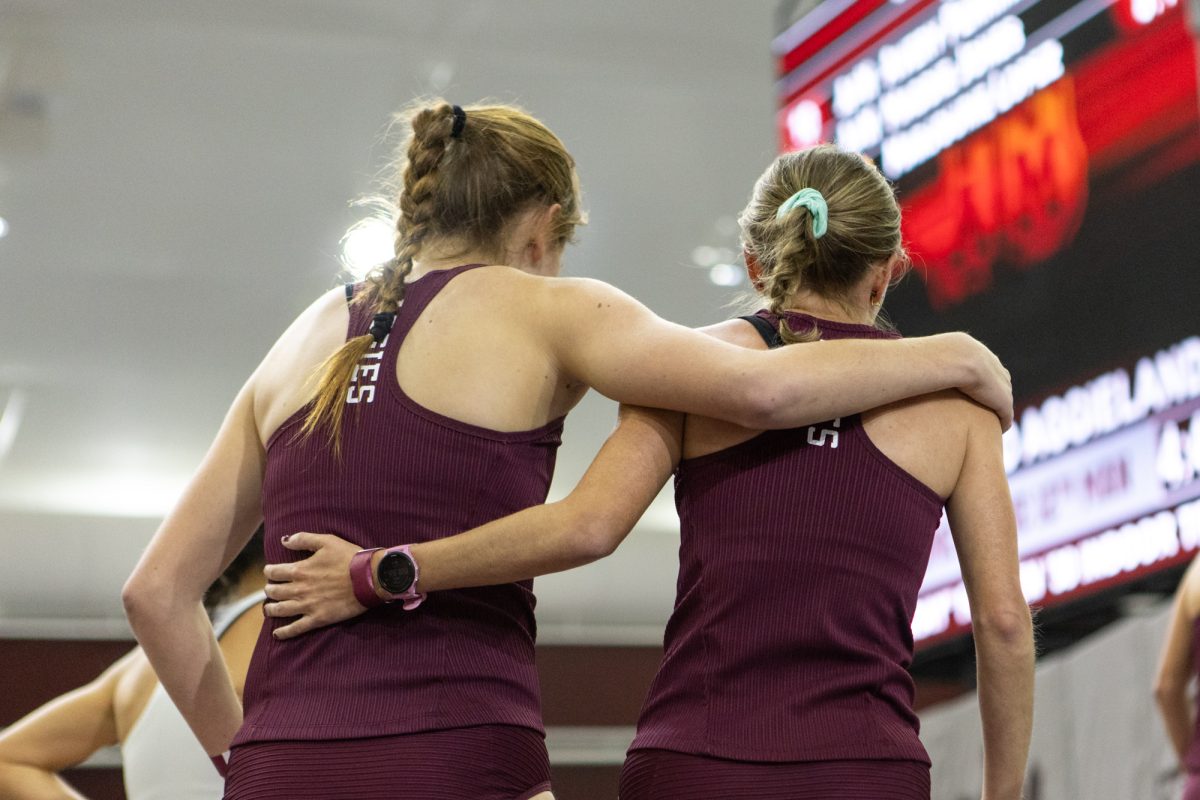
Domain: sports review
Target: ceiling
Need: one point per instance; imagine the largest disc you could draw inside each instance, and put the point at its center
(177, 175)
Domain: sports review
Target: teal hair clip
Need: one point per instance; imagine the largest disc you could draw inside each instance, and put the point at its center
(814, 201)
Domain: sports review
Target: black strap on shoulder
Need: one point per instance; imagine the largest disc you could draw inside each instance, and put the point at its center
(349, 292)
(769, 334)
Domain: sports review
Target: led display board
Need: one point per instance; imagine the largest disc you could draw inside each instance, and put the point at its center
(1046, 154)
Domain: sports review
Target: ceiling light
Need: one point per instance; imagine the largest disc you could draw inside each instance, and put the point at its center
(3, 227)
(367, 244)
(705, 256)
(117, 493)
(725, 275)
(805, 124)
(10, 421)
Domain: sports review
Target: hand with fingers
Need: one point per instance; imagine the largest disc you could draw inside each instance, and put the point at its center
(316, 591)
(992, 384)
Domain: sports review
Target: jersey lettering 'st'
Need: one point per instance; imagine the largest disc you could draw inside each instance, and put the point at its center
(825, 435)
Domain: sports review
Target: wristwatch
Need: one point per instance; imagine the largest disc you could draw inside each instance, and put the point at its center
(397, 576)
(361, 580)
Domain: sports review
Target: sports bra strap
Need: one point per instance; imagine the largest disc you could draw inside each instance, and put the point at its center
(349, 293)
(765, 329)
(229, 613)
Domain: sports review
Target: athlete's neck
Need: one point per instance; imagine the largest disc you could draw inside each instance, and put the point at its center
(424, 266)
(832, 310)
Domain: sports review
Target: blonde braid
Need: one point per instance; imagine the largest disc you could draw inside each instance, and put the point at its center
(386, 284)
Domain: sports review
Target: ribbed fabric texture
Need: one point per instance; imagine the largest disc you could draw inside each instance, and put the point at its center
(660, 774)
(1192, 760)
(800, 563)
(490, 762)
(406, 475)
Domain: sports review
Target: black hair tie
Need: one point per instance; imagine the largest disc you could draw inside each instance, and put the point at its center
(460, 121)
(381, 325)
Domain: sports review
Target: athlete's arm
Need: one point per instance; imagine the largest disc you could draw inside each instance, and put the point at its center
(985, 534)
(613, 343)
(59, 735)
(1175, 664)
(211, 523)
(585, 526)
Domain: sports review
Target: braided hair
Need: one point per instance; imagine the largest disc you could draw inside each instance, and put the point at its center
(863, 228)
(463, 177)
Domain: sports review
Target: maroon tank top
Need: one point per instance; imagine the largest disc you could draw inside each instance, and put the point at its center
(406, 474)
(800, 559)
(1192, 760)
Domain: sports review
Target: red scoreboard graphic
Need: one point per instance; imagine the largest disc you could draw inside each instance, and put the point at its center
(1046, 154)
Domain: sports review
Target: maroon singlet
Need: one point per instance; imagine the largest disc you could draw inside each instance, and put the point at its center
(801, 555)
(405, 475)
(1192, 760)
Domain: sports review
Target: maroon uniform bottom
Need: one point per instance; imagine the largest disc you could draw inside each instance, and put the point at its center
(680, 776)
(486, 762)
(1191, 789)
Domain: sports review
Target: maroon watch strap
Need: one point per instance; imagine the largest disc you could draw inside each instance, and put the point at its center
(362, 581)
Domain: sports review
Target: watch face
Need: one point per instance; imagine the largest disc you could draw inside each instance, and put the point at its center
(396, 573)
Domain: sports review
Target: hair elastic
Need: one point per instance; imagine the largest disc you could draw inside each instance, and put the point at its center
(814, 201)
(381, 325)
(460, 121)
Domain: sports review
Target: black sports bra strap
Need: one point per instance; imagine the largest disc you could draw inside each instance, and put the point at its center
(768, 332)
(349, 293)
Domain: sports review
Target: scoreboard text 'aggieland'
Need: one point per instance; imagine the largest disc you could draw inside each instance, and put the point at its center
(1046, 154)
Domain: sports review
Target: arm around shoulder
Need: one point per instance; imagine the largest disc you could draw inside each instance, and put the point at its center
(608, 340)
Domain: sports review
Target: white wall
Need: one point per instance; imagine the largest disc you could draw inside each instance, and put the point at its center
(1097, 735)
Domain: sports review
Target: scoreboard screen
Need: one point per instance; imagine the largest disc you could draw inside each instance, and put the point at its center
(1046, 154)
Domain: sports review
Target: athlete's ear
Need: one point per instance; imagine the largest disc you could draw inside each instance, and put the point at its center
(753, 270)
(542, 240)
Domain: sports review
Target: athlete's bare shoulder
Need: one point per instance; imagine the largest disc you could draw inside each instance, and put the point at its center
(1189, 590)
(282, 383)
(502, 288)
(928, 435)
(950, 406)
(953, 412)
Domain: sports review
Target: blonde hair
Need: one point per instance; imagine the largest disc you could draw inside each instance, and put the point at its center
(463, 185)
(863, 227)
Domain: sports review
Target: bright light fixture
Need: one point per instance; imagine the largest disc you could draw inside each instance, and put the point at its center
(3, 227)
(114, 494)
(725, 275)
(10, 421)
(805, 124)
(367, 244)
